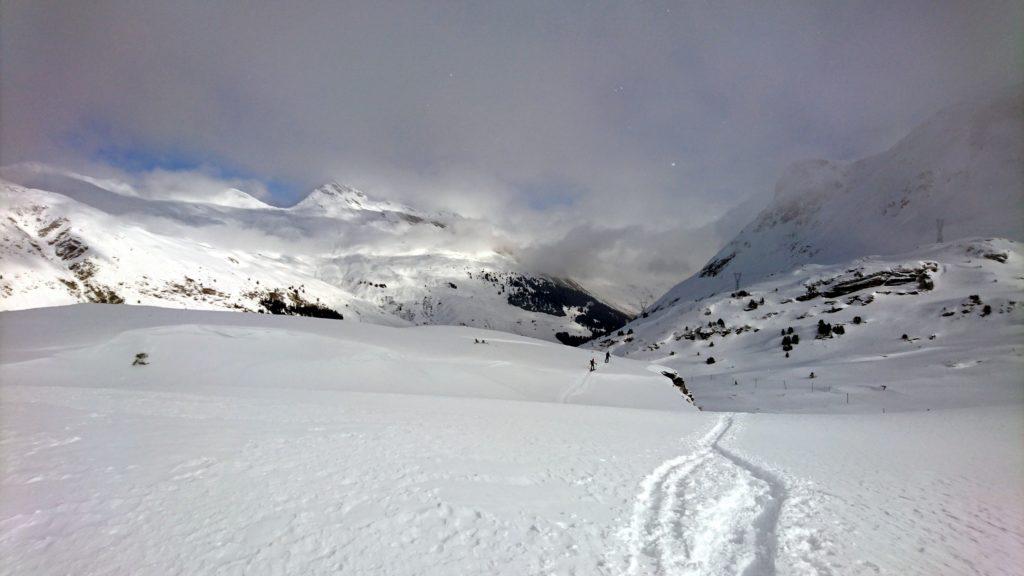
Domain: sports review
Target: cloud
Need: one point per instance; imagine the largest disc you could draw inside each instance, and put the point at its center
(194, 184)
(633, 263)
(639, 117)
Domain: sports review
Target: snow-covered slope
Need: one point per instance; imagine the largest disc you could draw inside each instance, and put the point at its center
(854, 246)
(336, 253)
(256, 444)
(964, 166)
(940, 326)
(339, 356)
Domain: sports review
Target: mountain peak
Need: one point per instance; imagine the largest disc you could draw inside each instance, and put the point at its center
(336, 199)
(341, 191)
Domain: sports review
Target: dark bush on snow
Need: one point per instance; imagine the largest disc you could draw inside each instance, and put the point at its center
(275, 304)
(571, 339)
(824, 329)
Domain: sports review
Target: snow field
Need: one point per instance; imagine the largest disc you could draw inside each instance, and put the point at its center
(258, 444)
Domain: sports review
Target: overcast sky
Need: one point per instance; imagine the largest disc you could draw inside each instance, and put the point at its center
(649, 118)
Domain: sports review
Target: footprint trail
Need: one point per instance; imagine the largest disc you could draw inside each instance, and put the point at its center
(708, 512)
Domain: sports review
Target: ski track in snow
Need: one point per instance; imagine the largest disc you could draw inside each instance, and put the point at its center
(708, 512)
(575, 389)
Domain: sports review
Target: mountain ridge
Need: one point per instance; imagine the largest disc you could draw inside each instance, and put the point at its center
(356, 257)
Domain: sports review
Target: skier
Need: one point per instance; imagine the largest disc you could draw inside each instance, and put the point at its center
(593, 364)
(607, 356)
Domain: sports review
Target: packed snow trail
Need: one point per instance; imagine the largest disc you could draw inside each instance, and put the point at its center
(575, 389)
(708, 512)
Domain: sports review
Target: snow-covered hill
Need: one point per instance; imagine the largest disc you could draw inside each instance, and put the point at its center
(963, 166)
(941, 326)
(69, 238)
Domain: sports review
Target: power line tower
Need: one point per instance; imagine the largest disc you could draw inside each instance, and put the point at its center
(939, 223)
(736, 276)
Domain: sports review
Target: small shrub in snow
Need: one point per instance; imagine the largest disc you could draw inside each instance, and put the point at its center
(824, 329)
(141, 359)
(710, 360)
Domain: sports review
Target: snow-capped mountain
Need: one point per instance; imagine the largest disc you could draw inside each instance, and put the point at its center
(338, 253)
(336, 200)
(843, 268)
(964, 167)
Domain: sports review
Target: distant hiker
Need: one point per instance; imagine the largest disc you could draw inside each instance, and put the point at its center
(607, 356)
(593, 364)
